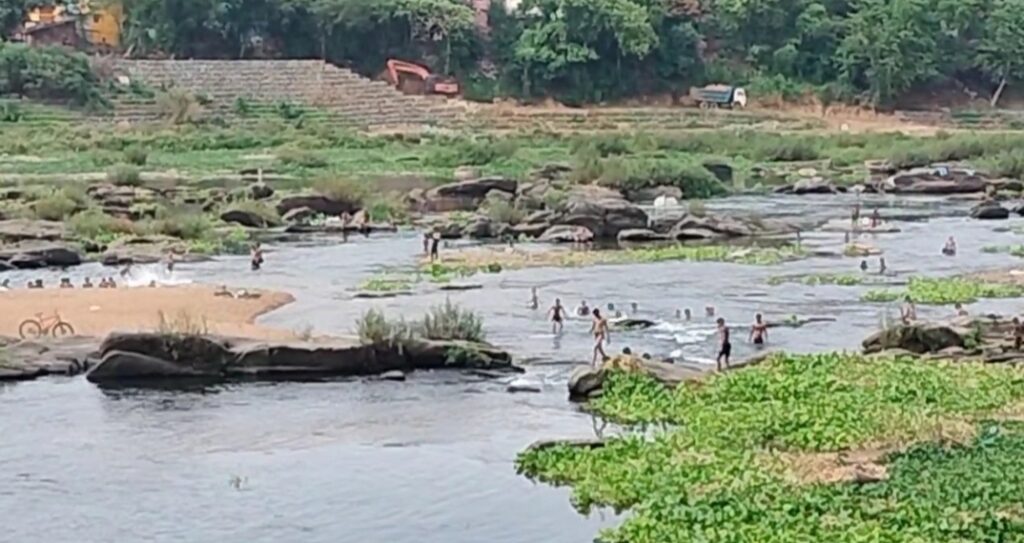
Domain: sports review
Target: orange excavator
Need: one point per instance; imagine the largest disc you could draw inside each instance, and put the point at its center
(415, 79)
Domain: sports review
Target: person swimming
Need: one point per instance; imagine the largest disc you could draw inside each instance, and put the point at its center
(709, 311)
(724, 345)
(633, 307)
(864, 265)
(87, 283)
(583, 310)
(65, 282)
(759, 331)
(599, 328)
(960, 311)
(949, 249)
(687, 314)
(557, 313)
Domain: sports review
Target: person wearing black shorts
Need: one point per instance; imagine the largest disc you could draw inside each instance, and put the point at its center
(759, 331)
(724, 346)
(557, 313)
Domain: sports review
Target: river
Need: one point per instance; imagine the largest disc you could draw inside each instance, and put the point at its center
(429, 459)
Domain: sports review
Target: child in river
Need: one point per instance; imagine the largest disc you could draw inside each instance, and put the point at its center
(724, 345)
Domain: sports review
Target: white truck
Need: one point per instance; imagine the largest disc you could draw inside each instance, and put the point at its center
(715, 96)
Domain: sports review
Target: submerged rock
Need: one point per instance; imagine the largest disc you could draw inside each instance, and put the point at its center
(148, 356)
(246, 218)
(640, 235)
(917, 337)
(317, 202)
(934, 180)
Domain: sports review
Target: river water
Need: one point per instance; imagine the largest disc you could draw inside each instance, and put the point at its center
(429, 459)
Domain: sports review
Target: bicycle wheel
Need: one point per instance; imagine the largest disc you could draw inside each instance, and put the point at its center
(62, 329)
(30, 328)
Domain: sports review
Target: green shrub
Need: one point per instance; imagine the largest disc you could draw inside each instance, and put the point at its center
(183, 224)
(503, 212)
(95, 225)
(449, 321)
(474, 152)
(786, 149)
(179, 107)
(375, 329)
(342, 189)
(124, 175)
(387, 207)
(55, 207)
(693, 179)
(302, 158)
(242, 107)
(10, 112)
(136, 155)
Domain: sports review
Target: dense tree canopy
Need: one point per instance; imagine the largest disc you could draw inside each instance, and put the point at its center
(596, 50)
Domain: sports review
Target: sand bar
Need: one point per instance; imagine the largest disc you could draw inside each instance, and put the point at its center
(97, 312)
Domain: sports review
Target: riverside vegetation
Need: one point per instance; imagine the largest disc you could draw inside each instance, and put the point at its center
(827, 447)
(941, 291)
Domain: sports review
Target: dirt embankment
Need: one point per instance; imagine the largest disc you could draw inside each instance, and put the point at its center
(97, 312)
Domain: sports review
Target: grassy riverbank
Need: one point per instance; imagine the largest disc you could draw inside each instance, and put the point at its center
(825, 447)
(305, 151)
(942, 291)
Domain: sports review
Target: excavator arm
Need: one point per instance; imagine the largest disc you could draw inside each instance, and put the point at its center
(432, 83)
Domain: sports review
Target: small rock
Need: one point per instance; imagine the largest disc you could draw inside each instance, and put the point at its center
(640, 234)
(990, 211)
(524, 385)
(394, 375)
(564, 233)
(299, 215)
(260, 191)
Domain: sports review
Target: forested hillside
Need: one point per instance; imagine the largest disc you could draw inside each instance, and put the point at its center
(867, 51)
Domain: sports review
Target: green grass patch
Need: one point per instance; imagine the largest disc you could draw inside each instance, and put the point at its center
(812, 279)
(761, 256)
(942, 291)
(734, 458)
(386, 284)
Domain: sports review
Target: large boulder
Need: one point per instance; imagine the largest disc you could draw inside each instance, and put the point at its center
(15, 230)
(466, 195)
(916, 337)
(934, 180)
(479, 228)
(247, 218)
(126, 357)
(585, 382)
(603, 211)
(563, 233)
(990, 210)
(299, 215)
(317, 202)
(31, 255)
(694, 227)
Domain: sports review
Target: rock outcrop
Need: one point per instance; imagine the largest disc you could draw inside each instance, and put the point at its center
(567, 234)
(31, 359)
(16, 230)
(694, 227)
(810, 185)
(603, 211)
(987, 338)
(466, 195)
(148, 356)
(247, 218)
(934, 180)
(317, 202)
(990, 210)
(42, 254)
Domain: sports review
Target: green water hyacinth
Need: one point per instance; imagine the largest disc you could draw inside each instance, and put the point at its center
(733, 459)
(943, 291)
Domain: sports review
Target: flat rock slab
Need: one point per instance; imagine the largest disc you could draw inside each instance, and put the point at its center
(24, 360)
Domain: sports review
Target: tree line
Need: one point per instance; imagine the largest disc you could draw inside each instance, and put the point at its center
(869, 51)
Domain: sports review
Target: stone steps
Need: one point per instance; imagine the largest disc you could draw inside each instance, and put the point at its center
(321, 90)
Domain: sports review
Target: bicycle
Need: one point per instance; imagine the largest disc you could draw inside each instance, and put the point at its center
(42, 325)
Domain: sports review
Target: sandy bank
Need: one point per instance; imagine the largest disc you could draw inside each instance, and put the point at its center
(97, 312)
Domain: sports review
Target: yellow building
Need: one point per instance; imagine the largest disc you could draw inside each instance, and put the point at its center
(100, 21)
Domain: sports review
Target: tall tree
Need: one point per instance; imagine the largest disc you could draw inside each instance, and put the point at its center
(12, 13)
(890, 45)
(1001, 50)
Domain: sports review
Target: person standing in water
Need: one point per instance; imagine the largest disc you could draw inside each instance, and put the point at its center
(426, 243)
(599, 328)
(876, 218)
(1018, 334)
(759, 331)
(256, 257)
(855, 215)
(881, 265)
(534, 301)
(557, 313)
(908, 312)
(724, 345)
(435, 240)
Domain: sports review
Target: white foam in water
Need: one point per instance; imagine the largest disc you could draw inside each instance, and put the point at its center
(141, 276)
